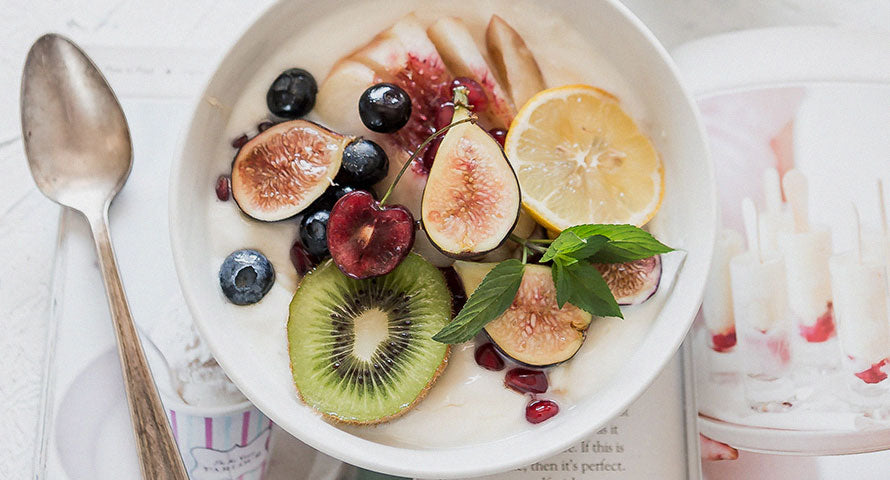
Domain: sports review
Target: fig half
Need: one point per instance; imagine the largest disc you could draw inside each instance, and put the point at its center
(281, 171)
(471, 200)
(534, 331)
(632, 282)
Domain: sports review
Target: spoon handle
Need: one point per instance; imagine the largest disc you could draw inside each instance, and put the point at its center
(158, 455)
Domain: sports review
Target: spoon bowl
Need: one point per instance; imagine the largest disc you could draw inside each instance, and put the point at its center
(76, 136)
(79, 150)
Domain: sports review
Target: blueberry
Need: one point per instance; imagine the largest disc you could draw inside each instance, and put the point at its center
(314, 232)
(384, 108)
(246, 276)
(364, 164)
(330, 196)
(292, 94)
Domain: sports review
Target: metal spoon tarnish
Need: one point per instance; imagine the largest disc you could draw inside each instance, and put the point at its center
(79, 150)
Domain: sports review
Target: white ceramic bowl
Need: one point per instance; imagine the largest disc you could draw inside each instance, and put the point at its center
(686, 220)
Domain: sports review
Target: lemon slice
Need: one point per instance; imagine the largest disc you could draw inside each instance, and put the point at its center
(581, 159)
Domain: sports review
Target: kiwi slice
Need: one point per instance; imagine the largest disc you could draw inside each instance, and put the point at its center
(361, 351)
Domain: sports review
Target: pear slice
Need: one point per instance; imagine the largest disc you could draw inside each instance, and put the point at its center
(513, 61)
(471, 199)
(463, 58)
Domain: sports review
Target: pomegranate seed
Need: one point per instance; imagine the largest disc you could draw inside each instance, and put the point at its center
(458, 295)
(476, 95)
(263, 126)
(444, 115)
(525, 380)
(301, 259)
(240, 141)
(499, 134)
(429, 155)
(223, 188)
(540, 410)
(488, 358)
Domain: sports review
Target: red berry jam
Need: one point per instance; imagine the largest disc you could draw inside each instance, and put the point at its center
(488, 358)
(240, 141)
(525, 380)
(822, 330)
(540, 410)
(723, 342)
(875, 373)
(223, 188)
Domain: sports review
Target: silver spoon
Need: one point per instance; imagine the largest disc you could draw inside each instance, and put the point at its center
(78, 147)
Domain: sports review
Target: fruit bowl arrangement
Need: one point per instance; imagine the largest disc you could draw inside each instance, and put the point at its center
(450, 228)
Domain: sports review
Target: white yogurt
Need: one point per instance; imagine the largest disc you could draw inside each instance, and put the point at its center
(861, 306)
(717, 300)
(806, 268)
(466, 397)
(761, 313)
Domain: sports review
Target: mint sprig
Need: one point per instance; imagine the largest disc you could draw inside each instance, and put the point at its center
(583, 286)
(626, 242)
(490, 299)
(577, 281)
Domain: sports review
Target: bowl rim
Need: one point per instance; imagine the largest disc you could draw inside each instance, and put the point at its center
(490, 457)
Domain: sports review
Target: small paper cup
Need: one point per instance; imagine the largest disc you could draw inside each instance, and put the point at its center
(230, 442)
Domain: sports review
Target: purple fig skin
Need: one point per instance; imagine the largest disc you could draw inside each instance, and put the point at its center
(509, 357)
(645, 292)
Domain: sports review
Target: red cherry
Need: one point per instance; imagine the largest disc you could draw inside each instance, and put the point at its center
(499, 134)
(476, 94)
(223, 188)
(366, 239)
(525, 380)
(488, 358)
(540, 410)
(303, 262)
(429, 154)
(444, 115)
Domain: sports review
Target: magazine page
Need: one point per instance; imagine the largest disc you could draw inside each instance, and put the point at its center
(647, 440)
(793, 338)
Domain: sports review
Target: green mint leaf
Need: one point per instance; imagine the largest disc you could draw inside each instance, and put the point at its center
(568, 248)
(582, 285)
(490, 299)
(626, 242)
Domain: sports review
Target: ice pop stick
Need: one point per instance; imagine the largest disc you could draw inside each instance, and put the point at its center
(752, 229)
(858, 227)
(795, 185)
(772, 190)
(882, 208)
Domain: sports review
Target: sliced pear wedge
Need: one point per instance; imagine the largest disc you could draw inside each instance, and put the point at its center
(513, 61)
(463, 58)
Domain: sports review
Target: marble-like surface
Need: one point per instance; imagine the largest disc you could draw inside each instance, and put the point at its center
(196, 32)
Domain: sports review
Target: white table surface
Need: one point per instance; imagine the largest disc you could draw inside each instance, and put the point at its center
(197, 32)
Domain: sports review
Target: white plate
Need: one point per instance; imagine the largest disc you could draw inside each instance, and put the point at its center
(782, 441)
(686, 220)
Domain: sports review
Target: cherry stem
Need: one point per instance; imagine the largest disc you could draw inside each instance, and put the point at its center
(471, 119)
(529, 243)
